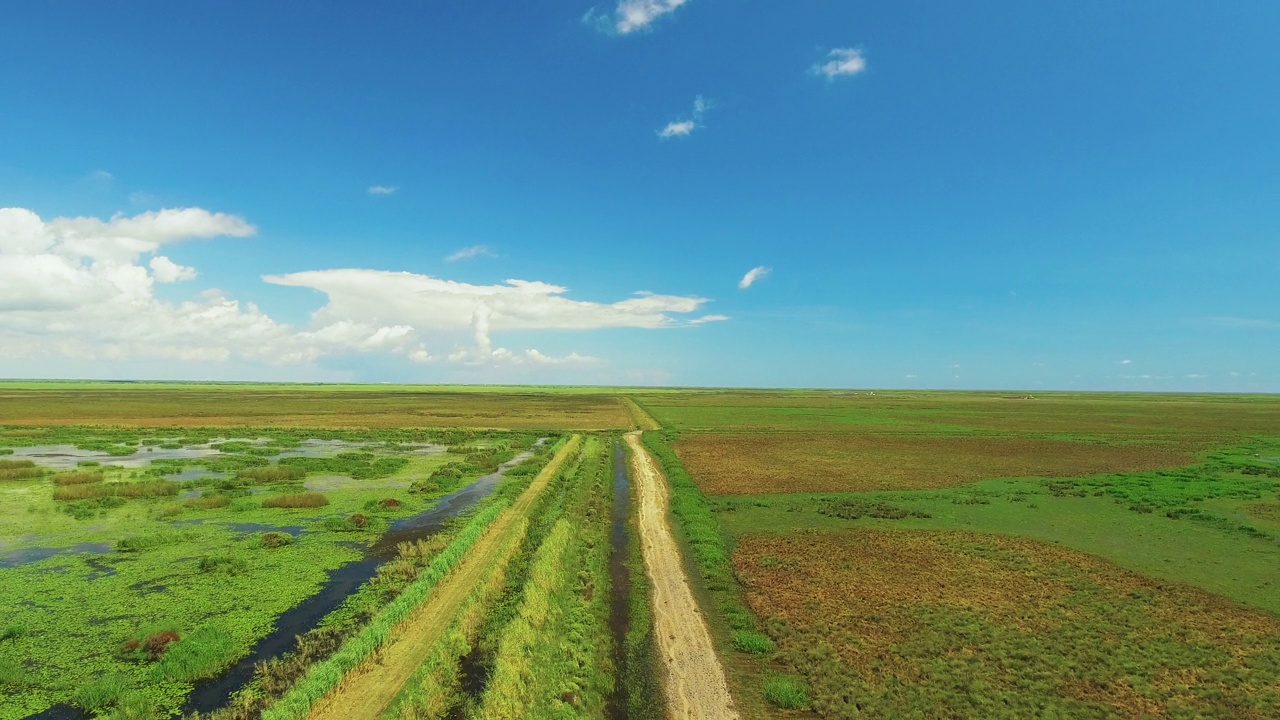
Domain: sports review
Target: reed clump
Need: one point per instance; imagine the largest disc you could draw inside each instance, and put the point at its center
(296, 500)
(78, 477)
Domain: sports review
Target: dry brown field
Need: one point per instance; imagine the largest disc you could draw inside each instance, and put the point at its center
(283, 406)
(758, 463)
(934, 624)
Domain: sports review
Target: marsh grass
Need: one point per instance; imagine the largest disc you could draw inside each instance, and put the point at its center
(148, 541)
(276, 539)
(100, 693)
(296, 500)
(207, 502)
(21, 472)
(80, 477)
(222, 563)
(154, 488)
(272, 474)
(16, 464)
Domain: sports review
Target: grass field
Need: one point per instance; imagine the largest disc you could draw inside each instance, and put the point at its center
(213, 560)
(306, 407)
(896, 550)
(856, 555)
(945, 624)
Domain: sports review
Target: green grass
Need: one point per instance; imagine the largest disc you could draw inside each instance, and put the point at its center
(190, 577)
(786, 691)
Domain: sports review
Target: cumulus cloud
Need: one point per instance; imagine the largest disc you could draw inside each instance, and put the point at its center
(632, 15)
(842, 62)
(382, 189)
(752, 275)
(682, 128)
(468, 253)
(165, 270)
(83, 288)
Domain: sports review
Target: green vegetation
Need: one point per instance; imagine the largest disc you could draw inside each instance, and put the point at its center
(203, 577)
(323, 676)
(553, 658)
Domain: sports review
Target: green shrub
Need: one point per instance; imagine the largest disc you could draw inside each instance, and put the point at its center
(786, 691)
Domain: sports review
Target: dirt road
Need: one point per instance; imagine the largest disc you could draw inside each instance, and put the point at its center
(695, 682)
(366, 692)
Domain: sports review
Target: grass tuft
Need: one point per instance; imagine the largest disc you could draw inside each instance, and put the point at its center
(296, 500)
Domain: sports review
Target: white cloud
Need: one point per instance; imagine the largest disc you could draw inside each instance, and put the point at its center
(382, 189)
(1126, 362)
(843, 62)
(707, 318)
(1195, 376)
(753, 275)
(676, 129)
(632, 15)
(682, 128)
(467, 253)
(83, 289)
(165, 270)
(1244, 323)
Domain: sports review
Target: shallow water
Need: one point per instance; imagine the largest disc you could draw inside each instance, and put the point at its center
(620, 578)
(63, 457)
(14, 558)
(213, 694)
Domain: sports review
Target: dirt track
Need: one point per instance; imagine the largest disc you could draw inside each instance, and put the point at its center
(695, 682)
(367, 691)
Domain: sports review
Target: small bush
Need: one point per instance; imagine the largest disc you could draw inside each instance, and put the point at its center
(344, 524)
(276, 539)
(786, 691)
(6, 451)
(752, 642)
(16, 464)
(11, 632)
(296, 500)
(82, 477)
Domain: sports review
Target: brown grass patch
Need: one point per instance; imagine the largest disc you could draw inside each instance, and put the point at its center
(758, 463)
(940, 624)
(80, 477)
(157, 488)
(296, 500)
(187, 406)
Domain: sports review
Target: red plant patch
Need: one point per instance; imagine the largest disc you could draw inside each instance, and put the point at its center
(157, 643)
(390, 503)
(358, 520)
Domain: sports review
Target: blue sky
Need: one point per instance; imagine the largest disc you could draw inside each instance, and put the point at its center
(1006, 195)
